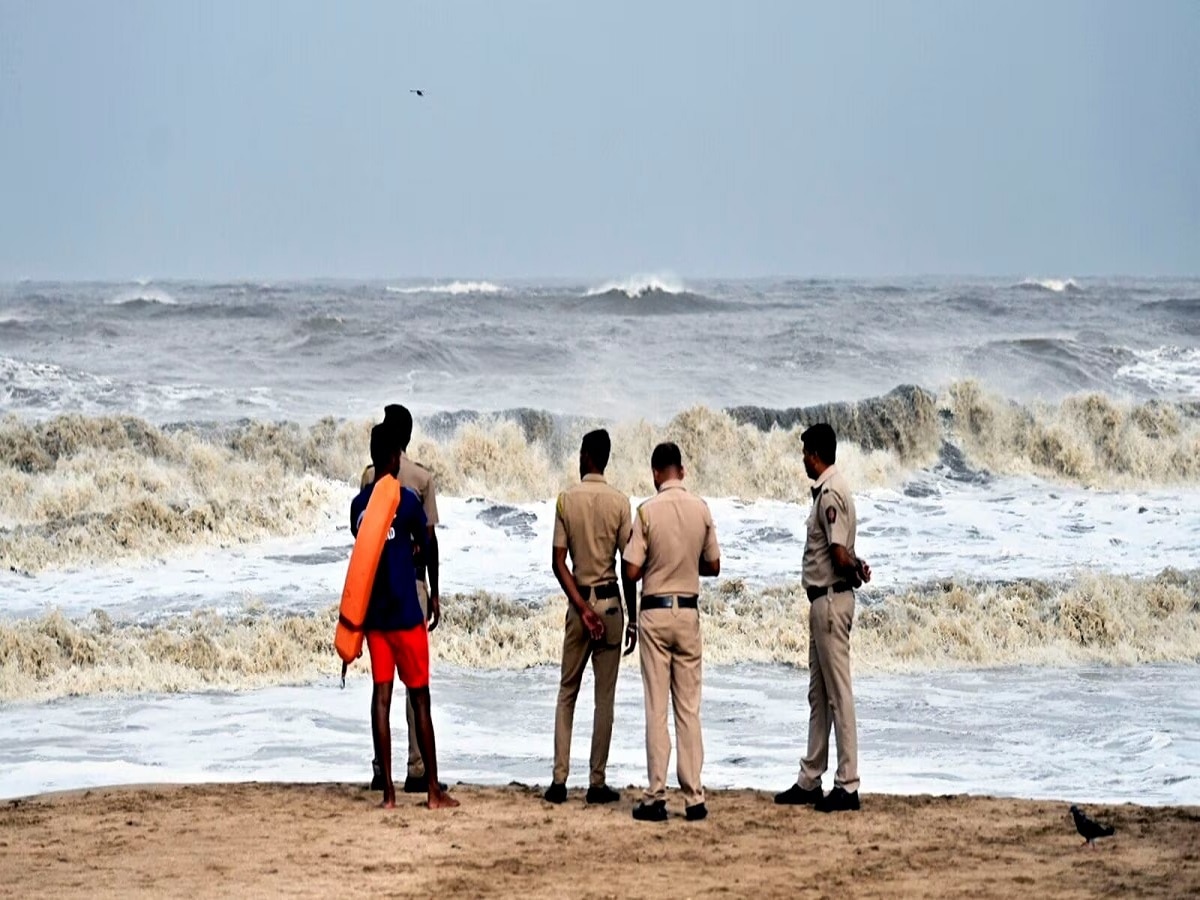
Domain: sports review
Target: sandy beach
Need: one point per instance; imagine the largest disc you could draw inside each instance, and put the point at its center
(316, 840)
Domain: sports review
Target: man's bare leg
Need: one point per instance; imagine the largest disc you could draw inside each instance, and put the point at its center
(438, 799)
(381, 729)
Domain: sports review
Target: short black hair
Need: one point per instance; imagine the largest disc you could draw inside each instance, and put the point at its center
(400, 420)
(597, 446)
(821, 440)
(383, 447)
(665, 456)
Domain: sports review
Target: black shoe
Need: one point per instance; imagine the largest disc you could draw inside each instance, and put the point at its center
(598, 793)
(839, 800)
(651, 812)
(696, 813)
(419, 784)
(798, 796)
(557, 793)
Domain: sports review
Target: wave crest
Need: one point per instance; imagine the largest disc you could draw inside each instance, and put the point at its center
(640, 285)
(143, 296)
(81, 490)
(1106, 619)
(1053, 285)
(454, 288)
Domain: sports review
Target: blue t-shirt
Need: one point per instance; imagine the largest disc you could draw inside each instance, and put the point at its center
(394, 604)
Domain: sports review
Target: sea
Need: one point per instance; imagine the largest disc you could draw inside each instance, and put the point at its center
(177, 461)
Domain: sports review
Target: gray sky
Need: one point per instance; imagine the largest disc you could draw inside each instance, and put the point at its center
(256, 139)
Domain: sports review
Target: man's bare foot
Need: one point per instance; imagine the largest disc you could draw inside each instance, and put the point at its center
(388, 804)
(441, 800)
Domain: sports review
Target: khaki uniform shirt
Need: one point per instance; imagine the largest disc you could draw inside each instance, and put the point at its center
(673, 528)
(592, 521)
(832, 520)
(416, 476)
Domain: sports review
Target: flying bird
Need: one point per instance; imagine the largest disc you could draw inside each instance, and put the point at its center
(1089, 829)
(419, 93)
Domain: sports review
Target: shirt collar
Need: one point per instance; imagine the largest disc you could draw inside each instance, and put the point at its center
(673, 483)
(594, 476)
(824, 477)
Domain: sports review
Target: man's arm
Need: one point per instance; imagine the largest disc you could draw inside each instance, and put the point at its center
(710, 555)
(849, 566)
(431, 567)
(566, 580)
(710, 568)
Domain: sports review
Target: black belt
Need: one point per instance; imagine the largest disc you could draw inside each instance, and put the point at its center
(666, 601)
(815, 592)
(601, 591)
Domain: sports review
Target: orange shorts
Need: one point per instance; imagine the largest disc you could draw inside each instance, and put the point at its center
(405, 653)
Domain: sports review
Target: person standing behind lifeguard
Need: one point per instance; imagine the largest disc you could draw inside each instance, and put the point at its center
(415, 476)
(395, 626)
(674, 542)
(592, 523)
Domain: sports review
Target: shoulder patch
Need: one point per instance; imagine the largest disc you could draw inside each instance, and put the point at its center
(830, 514)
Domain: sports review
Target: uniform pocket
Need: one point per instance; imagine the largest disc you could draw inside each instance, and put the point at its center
(614, 622)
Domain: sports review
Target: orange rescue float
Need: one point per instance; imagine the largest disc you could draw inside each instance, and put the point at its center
(364, 563)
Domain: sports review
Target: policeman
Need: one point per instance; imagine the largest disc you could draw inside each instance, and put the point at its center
(831, 573)
(416, 477)
(673, 543)
(591, 523)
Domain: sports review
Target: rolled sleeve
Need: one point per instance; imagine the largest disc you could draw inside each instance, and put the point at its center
(430, 503)
(635, 550)
(835, 518)
(712, 550)
(560, 524)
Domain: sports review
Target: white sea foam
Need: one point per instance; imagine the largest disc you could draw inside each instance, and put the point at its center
(1054, 285)
(144, 294)
(1170, 371)
(454, 288)
(639, 285)
(1086, 735)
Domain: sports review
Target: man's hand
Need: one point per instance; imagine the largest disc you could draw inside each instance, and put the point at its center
(435, 611)
(630, 638)
(864, 570)
(592, 622)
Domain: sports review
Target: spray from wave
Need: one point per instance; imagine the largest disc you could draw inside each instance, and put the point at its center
(1053, 285)
(454, 288)
(143, 296)
(1107, 619)
(78, 490)
(639, 286)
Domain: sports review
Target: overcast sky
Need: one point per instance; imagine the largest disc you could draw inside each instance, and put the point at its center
(257, 139)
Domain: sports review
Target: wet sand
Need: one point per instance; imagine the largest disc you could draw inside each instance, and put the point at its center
(320, 840)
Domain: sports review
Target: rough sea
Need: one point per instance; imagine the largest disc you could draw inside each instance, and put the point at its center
(177, 461)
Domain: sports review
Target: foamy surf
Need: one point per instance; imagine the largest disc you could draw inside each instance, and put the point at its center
(1053, 285)
(637, 286)
(144, 296)
(80, 489)
(454, 288)
(1091, 619)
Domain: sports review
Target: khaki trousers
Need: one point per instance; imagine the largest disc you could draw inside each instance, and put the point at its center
(830, 696)
(416, 765)
(578, 648)
(671, 663)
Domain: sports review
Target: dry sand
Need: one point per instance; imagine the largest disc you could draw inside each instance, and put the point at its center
(328, 840)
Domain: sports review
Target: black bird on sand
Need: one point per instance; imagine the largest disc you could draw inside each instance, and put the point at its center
(1089, 829)
(419, 93)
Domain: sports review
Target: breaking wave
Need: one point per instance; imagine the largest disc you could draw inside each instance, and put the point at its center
(454, 288)
(143, 296)
(1107, 619)
(639, 286)
(1053, 285)
(78, 490)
